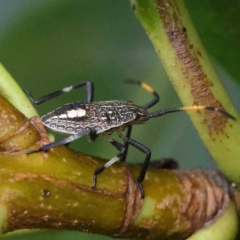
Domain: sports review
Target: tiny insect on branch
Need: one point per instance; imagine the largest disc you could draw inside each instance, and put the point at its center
(100, 118)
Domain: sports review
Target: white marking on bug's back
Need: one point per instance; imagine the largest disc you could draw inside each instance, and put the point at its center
(72, 113)
(67, 89)
(76, 113)
(60, 116)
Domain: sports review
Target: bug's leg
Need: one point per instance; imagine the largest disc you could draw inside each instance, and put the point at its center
(126, 144)
(120, 147)
(147, 88)
(145, 165)
(87, 84)
(63, 141)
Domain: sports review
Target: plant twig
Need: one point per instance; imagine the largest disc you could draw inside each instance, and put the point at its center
(172, 33)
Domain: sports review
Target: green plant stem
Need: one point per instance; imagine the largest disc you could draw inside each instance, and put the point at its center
(214, 231)
(172, 33)
(13, 93)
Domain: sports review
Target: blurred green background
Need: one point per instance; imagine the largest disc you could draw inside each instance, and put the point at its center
(50, 44)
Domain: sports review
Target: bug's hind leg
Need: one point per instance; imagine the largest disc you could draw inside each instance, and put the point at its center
(120, 147)
(89, 92)
(64, 141)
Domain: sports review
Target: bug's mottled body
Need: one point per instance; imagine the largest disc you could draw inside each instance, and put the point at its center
(102, 116)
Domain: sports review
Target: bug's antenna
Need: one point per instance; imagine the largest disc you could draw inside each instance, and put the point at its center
(147, 88)
(166, 111)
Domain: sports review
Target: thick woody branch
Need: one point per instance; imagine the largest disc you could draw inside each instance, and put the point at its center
(52, 190)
